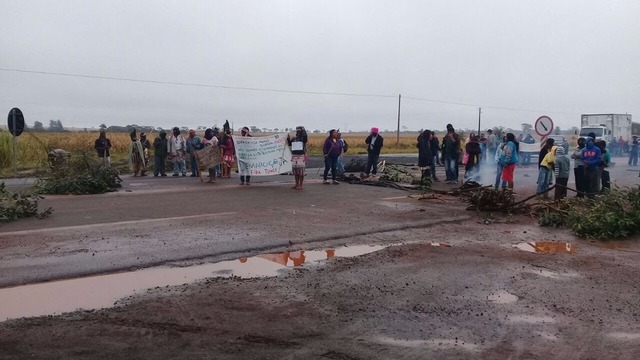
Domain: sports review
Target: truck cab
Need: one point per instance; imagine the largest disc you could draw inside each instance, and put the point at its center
(601, 131)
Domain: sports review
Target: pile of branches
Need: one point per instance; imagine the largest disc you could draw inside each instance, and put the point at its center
(80, 175)
(612, 214)
(14, 206)
(352, 179)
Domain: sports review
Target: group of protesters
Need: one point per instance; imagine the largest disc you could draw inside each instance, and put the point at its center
(591, 157)
(178, 150)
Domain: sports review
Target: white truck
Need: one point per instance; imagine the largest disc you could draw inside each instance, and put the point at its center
(607, 127)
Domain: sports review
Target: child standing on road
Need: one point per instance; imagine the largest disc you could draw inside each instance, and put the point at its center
(562, 164)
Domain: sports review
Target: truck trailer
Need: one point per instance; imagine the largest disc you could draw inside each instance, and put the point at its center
(608, 127)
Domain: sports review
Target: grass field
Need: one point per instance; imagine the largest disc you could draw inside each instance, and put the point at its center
(33, 146)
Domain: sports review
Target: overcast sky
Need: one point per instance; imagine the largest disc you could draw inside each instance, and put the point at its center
(544, 57)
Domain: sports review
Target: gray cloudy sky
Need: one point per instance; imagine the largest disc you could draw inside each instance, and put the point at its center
(555, 57)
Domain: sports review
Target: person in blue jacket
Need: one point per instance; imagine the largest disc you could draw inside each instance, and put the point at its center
(590, 157)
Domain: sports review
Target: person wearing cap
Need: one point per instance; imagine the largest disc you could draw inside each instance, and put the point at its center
(374, 144)
(102, 146)
(193, 143)
(634, 148)
(562, 169)
(136, 155)
(160, 151)
(177, 151)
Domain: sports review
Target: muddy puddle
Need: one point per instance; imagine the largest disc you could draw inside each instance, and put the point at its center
(96, 292)
(547, 247)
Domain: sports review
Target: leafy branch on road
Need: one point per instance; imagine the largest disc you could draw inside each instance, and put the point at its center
(80, 175)
(14, 206)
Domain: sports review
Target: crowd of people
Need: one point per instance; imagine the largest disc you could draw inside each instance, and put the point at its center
(591, 158)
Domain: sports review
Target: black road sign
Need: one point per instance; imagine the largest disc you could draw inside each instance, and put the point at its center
(16, 127)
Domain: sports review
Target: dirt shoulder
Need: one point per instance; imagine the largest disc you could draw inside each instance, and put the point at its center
(479, 298)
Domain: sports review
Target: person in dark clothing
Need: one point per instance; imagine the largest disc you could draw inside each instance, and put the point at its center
(578, 169)
(450, 154)
(634, 149)
(425, 155)
(374, 144)
(160, 151)
(435, 147)
(102, 146)
(605, 178)
(473, 150)
(332, 149)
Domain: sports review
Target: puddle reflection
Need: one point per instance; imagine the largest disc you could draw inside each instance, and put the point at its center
(547, 247)
(96, 292)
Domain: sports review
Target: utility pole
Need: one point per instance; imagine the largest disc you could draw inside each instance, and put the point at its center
(398, 130)
(479, 117)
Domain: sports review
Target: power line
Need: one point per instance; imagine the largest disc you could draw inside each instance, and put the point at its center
(274, 90)
(488, 107)
(193, 84)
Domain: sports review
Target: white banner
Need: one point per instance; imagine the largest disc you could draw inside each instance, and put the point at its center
(262, 156)
(529, 147)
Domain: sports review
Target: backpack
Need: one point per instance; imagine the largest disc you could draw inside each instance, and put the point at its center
(345, 146)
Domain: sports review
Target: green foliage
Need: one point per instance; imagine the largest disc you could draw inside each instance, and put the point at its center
(425, 183)
(14, 206)
(551, 218)
(82, 175)
(615, 214)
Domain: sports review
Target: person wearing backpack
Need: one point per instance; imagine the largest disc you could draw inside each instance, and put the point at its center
(374, 145)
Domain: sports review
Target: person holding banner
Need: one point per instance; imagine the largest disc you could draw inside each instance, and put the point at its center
(210, 139)
(298, 155)
(245, 178)
(332, 149)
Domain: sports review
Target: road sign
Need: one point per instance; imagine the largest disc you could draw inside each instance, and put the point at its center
(16, 122)
(544, 126)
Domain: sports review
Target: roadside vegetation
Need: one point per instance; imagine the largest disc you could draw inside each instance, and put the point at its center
(613, 215)
(14, 206)
(82, 174)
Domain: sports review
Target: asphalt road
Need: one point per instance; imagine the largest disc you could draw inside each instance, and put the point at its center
(153, 221)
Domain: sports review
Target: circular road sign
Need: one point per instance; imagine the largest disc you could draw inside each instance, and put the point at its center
(544, 126)
(15, 127)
